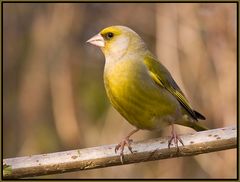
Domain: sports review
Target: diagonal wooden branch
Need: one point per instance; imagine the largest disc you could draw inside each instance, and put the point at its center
(104, 156)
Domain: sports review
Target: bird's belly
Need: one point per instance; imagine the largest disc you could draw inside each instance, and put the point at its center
(137, 98)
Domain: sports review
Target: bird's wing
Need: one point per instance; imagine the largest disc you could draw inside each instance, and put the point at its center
(163, 78)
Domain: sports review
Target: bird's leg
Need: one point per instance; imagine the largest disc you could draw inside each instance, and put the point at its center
(175, 138)
(126, 141)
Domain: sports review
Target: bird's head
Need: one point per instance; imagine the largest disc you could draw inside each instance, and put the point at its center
(116, 41)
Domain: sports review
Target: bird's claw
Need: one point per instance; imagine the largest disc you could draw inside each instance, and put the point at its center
(117, 147)
(121, 146)
(175, 138)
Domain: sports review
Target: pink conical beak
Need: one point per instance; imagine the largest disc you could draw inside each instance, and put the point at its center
(96, 40)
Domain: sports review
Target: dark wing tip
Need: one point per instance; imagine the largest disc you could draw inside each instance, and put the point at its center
(199, 116)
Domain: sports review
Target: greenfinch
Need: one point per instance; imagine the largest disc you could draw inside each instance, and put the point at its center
(140, 88)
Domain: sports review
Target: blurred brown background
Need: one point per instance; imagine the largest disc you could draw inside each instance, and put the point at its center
(53, 92)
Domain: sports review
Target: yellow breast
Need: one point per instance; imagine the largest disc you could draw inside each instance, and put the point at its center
(135, 96)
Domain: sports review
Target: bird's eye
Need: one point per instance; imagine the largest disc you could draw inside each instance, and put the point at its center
(109, 35)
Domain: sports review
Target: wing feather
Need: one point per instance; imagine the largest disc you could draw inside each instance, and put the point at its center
(163, 78)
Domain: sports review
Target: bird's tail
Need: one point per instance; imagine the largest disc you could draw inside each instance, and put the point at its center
(194, 124)
(199, 115)
(198, 127)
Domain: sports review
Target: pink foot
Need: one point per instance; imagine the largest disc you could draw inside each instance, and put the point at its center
(175, 138)
(121, 146)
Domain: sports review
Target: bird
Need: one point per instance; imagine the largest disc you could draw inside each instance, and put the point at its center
(140, 87)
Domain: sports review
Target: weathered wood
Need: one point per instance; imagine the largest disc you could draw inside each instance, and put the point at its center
(104, 156)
